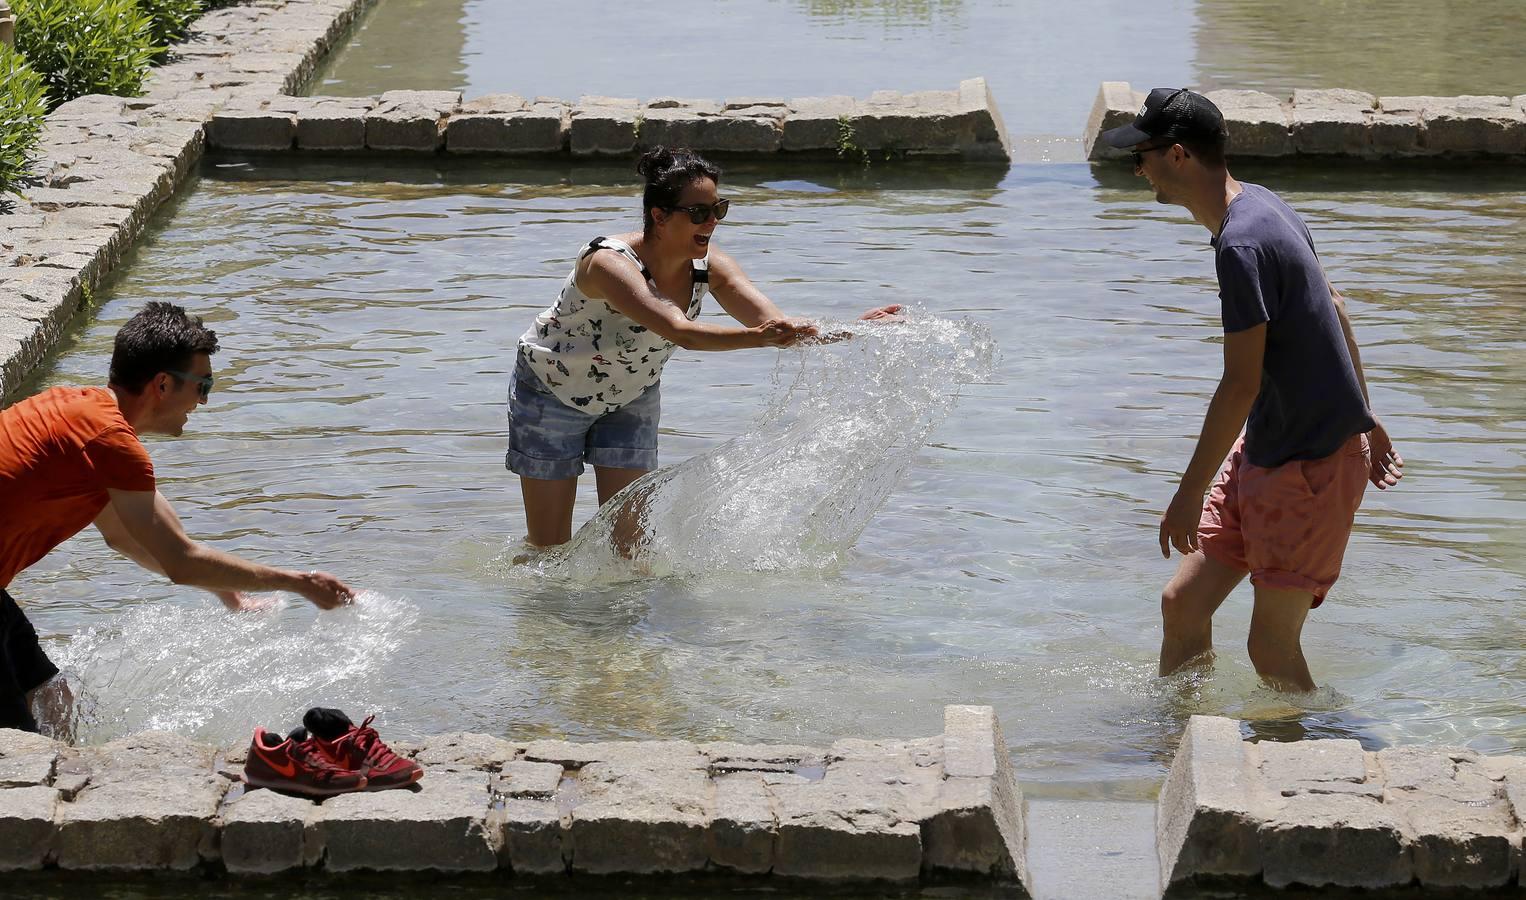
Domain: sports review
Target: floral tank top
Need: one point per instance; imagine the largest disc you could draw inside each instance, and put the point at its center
(593, 357)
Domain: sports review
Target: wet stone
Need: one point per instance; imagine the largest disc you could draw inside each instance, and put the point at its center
(603, 125)
(465, 751)
(843, 833)
(334, 123)
(734, 134)
(541, 129)
(1472, 125)
(1116, 104)
(816, 123)
(443, 826)
(535, 837)
(26, 824)
(743, 827)
(529, 779)
(26, 759)
(144, 822)
(265, 833)
(649, 754)
(640, 817)
(1205, 821)
(1328, 839)
(1257, 123)
(1331, 122)
(410, 120)
(252, 129)
(1284, 764)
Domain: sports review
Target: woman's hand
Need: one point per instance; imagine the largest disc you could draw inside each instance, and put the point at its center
(889, 313)
(784, 332)
(238, 601)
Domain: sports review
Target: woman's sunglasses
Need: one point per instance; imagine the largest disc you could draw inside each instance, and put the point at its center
(700, 213)
(203, 382)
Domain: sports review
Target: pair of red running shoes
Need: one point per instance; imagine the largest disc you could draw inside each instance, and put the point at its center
(328, 755)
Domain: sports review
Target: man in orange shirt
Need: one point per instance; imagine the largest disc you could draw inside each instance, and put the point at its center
(70, 456)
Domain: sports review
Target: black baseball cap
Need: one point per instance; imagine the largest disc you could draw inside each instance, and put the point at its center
(1169, 113)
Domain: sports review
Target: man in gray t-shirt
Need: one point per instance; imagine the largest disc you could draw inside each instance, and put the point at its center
(1281, 508)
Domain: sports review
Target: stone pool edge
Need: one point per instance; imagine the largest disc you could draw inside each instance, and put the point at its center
(1340, 124)
(943, 809)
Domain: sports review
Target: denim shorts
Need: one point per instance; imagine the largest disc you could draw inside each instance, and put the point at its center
(550, 440)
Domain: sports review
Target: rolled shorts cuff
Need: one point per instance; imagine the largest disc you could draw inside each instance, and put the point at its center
(623, 457)
(1282, 580)
(544, 469)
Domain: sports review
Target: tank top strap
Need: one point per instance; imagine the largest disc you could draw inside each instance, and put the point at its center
(700, 270)
(620, 247)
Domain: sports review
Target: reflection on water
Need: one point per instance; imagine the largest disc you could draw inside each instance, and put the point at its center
(1044, 60)
(1392, 47)
(368, 332)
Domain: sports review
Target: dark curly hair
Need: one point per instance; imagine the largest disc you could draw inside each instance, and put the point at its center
(159, 338)
(667, 172)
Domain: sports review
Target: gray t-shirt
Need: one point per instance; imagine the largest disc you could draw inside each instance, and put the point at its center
(1310, 401)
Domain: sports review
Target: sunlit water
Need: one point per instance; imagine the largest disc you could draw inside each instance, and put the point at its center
(358, 426)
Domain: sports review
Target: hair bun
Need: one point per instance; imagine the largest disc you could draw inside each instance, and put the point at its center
(654, 162)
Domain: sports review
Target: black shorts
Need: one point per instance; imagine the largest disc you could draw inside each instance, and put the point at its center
(23, 666)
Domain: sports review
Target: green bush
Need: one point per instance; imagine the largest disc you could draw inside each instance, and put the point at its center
(22, 109)
(86, 46)
(170, 18)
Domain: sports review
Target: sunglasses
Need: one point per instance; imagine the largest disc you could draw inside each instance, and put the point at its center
(700, 213)
(1138, 155)
(203, 382)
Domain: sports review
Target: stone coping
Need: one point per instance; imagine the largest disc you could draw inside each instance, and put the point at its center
(959, 124)
(857, 811)
(1325, 812)
(1340, 123)
(942, 809)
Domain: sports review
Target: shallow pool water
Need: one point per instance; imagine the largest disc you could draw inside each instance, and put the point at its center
(368, 317)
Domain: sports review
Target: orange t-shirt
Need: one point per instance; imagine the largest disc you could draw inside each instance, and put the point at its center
(59, 453)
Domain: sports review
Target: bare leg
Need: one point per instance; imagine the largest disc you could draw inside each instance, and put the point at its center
(1187, 606)
(627, 526)
(52, 704)
(548, 509)
(1275, 628)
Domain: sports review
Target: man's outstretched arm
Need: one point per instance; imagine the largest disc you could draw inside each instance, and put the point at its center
(143, 526)
(1243, 351)
(1387, 464)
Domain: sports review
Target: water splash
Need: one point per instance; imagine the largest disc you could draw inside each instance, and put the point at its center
(795, 491)
(213, 675)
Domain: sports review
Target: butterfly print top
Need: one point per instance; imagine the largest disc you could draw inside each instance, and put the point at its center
(593, 357)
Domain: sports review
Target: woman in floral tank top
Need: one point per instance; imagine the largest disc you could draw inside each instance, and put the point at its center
(586, 381)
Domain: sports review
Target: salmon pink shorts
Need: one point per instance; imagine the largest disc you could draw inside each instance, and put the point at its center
(1287, 526)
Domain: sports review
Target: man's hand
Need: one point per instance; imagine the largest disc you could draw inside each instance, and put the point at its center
(1387, 464)
(322, 589)
(889, 313)
(1178, 527)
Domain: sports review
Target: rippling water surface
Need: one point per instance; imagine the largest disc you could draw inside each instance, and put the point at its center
(358, 425)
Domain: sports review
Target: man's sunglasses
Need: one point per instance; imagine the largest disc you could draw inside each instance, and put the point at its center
(1138, 155)
(700, 213)
(203, 382)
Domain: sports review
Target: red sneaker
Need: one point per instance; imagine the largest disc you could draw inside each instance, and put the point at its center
(360, 750)
(296, 767)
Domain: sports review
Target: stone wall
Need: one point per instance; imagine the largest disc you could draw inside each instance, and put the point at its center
(1325, 812)
(859, 810)
(1340, 123)
(959, 124)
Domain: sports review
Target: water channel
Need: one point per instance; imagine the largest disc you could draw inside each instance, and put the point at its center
(368, 314)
